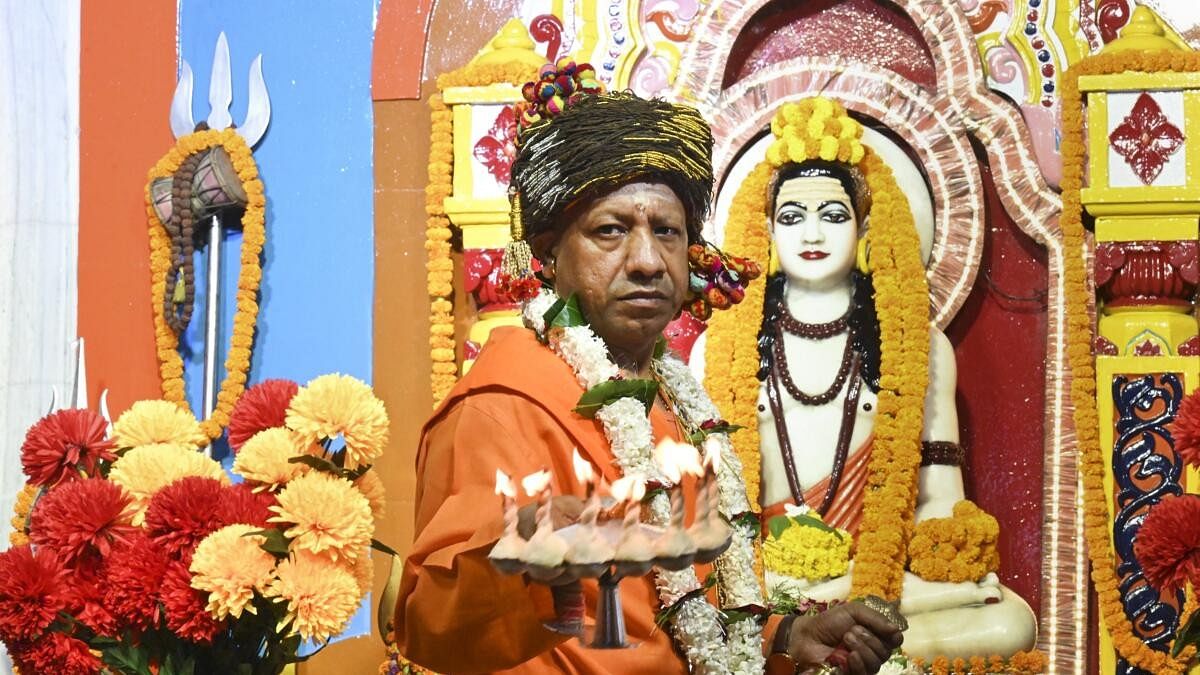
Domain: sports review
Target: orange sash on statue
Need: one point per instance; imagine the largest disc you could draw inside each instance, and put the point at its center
(846, 510)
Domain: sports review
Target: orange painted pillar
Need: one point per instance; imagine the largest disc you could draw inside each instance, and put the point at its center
(127, 76)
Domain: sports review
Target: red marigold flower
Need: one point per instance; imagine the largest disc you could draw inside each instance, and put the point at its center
(263, 406)
(133, 574)
(81, 520)
(184, 512)
(55, 653)
(29, 592)
(85, 602)
(241, 504)
(1185, 429)
(63, 443)
(185, 607)
(1168, 543)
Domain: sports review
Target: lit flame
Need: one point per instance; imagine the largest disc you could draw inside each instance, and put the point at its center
(677, 459)
(504, 485)
(630, 488)
(583, 468)
(712, 454)
(534, 483)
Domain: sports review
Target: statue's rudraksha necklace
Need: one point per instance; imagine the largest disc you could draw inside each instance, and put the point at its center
(848, 371)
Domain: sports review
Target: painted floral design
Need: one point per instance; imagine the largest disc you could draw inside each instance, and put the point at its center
(1146, 139)
(496, 149)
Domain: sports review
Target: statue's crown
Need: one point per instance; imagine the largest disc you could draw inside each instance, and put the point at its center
(815, 128)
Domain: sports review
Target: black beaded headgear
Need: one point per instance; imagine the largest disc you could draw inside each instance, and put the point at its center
(576, 142)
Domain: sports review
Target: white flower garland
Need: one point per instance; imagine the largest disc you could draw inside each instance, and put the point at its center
(710, 646)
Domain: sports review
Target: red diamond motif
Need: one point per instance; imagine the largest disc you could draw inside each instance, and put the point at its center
(1146, 139)
(496, 149)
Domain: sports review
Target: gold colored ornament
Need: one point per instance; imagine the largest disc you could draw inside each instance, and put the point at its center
(862, 256)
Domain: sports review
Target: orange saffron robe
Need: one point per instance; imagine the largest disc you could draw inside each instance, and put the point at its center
(455, 612)
(845, 511)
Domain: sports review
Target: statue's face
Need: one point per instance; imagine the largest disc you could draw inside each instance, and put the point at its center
(815, 231)
(625, 254)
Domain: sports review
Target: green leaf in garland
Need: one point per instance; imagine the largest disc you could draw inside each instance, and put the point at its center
(746, 521)
(606, 392)
(810, 521)
(660, 347)
(778, 525)
(1188, 635)
(564, 314)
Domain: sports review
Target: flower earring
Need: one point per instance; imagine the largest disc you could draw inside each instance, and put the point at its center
(717, 280)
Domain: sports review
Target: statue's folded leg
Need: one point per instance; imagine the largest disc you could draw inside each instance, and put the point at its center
(1003, 628)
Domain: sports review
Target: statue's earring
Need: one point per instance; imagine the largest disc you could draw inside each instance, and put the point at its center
(773, 259)
(862, 258)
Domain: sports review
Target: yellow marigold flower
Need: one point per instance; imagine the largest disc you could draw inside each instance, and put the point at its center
(325, 514)
(806, 552)
(157, 421)
(371, 487)
(146, 469)
(264, 458)
(230, 566)
(321, 595)
(333, 405)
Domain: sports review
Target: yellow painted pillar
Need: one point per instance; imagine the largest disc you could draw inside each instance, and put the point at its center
(481, 97)
(1143, 192)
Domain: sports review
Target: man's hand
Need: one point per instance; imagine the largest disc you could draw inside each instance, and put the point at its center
(869, 638)
(564, 511)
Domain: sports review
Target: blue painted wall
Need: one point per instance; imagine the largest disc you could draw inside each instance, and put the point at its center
(316, 163)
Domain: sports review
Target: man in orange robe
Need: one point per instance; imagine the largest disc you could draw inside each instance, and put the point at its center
(512, 411)
(611, 215)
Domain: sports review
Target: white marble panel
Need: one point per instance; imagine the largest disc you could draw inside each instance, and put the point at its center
(39, 216)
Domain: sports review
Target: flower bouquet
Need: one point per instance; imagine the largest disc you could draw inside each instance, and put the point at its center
(132, 552)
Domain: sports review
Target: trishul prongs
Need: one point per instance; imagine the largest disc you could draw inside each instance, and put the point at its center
(220, 95)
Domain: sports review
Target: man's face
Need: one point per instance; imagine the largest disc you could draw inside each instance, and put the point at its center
(625, 255)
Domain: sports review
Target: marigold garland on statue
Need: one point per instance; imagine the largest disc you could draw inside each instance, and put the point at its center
(820, 128)
(956, 549)
(253, 239)
(1021, 663)
(1097, 520)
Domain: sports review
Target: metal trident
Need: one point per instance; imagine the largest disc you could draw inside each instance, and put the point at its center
(258, 115)
(79, 394)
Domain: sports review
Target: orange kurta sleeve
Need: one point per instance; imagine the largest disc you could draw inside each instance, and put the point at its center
(451, 596)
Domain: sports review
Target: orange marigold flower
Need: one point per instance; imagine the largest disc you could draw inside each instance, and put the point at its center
(339, 405)
(321, 595)
(230, 565)
(325, 514)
